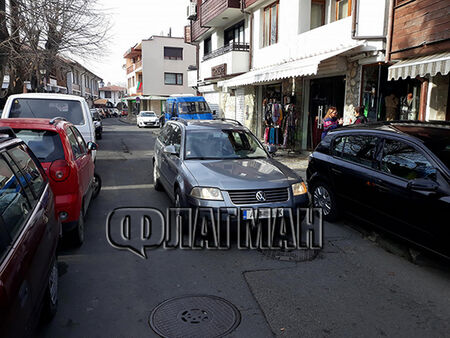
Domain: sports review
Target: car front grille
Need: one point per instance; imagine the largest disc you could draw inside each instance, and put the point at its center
(249, 196)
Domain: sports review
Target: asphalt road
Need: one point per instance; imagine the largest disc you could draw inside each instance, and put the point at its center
(352, 288)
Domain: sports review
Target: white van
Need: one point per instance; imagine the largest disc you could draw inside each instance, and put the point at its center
(40, 105)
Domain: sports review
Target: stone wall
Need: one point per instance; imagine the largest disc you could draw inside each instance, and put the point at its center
(352, 91)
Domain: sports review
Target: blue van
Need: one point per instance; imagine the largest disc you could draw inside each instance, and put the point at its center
(187, 107)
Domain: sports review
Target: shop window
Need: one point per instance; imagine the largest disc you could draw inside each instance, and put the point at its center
(270, 24)
(235, 34)
(317, 13)
(172, 53)
(173, 79)
(343, 9)
(207, 46)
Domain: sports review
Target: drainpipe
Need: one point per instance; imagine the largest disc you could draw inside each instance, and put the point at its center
(390, 29)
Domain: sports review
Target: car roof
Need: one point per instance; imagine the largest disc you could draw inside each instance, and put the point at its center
(209, 124)
(47, 96)
(404, 128)
(33, 123)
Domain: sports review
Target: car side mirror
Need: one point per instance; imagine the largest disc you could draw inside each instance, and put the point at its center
(423, 184)
(272, 149)
(92, 146)
(170, 150)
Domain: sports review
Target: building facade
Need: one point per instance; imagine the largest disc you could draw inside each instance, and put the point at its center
(279, 65)
(83, 82)
(157, 68)
(419, 48)
(113, 94)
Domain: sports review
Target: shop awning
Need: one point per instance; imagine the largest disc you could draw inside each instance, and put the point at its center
(422, 66)
(301, 67)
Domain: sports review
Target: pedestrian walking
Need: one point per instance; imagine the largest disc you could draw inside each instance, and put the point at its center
(331, 121)
(360, 118)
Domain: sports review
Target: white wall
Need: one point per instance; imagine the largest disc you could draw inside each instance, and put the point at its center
(372, 17)
(154, 66)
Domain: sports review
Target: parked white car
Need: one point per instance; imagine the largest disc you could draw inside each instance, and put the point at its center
(147, 119)
(41, 105)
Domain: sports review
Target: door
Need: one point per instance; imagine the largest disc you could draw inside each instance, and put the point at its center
(82, 160)
(353, 173)
(416, 214)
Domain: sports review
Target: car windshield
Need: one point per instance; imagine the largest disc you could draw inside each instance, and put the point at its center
(48, 108)
(45, 144)
(148, 114)
(193, 107)
(222, 144)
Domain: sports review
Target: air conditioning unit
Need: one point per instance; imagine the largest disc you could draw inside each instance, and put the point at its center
(192, 11)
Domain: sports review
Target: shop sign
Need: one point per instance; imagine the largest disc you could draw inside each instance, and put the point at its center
(220, 70)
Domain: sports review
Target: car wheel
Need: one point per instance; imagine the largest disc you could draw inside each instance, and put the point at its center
(323, 197)
(51, 294)
(77, 234)
(97, 185)
(156, 180)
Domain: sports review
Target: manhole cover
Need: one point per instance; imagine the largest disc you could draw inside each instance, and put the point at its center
(194, 316)
(302, 255)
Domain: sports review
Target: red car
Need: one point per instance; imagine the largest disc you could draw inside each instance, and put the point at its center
(68, 162)
(29, 233)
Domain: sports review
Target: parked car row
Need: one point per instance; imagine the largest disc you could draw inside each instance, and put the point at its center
(47, 182)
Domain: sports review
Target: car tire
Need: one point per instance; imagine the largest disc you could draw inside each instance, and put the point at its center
(323, 197)
(156, 180)
(77, 234)
(97, 185)
(50, 302)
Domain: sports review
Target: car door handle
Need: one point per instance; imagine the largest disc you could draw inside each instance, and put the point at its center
(336, 171)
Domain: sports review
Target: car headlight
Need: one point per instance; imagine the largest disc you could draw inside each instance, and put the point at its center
(299, 189)
(207, 193)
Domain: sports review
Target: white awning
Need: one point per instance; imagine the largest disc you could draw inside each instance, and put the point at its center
(422, 66)
(301, 67)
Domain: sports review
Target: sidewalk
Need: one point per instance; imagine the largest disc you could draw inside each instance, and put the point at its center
(296, 160)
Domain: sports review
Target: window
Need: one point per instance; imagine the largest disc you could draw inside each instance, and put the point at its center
(73, 143)
(271, 24)
(338, 146)
(107, 94)
(47, 109)
(404, 161)
(361, 149)
(207, 46)
(174, 137)
(235, 34)
(172, 53)
(343, 9)
(317, 13)
(14, 205)
(45, 144)
(30, 174)
(173, 79)
(80, 140)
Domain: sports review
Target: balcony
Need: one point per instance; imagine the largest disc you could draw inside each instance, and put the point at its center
(226, 61)
(197, 30)
(218, 13)
(134, 67)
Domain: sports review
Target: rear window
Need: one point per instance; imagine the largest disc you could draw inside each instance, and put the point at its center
(47, 109)
(45, 144)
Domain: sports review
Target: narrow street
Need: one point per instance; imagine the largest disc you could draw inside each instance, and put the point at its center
(352, 288)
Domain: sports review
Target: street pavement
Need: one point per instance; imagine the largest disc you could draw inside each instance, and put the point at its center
(354, 287)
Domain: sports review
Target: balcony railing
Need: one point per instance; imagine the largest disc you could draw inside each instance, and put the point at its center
(232, 47)
(131, 69)
(138, 64)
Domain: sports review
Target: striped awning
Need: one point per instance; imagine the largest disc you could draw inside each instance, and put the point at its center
(301, 67)
(422, 66)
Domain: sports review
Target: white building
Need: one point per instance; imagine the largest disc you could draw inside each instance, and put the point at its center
(157, 68)
(311, 54)
(113, 94)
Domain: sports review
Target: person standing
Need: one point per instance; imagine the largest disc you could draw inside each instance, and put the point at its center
(360, 118)
(331, 121)
(391, 103)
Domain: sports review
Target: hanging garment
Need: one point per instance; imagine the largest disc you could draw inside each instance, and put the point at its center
(272, 136)
(266, 135)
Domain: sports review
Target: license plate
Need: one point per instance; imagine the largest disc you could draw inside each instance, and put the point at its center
(262, 213)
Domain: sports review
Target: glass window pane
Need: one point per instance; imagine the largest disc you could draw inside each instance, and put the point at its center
(317, 11)
(402, 160)
(73, 143)
(361, 150)
(273, 26)
(266, 27)
(170, 79)
(342, 9)
(46, 145)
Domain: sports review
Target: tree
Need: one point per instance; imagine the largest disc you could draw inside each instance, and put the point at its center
(35, 34)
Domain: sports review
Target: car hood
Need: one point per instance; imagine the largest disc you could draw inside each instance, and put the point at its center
(241, 174)
(148, 119)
